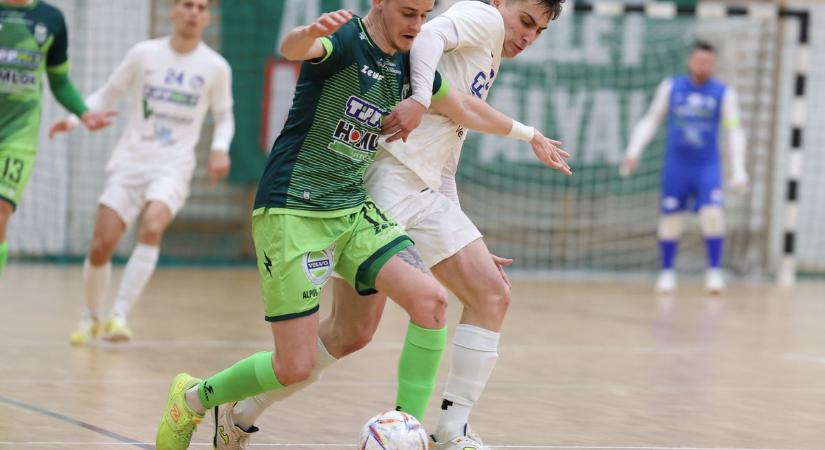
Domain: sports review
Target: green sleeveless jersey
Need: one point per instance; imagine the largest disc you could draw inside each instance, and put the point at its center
(317, 163)
(33, 39)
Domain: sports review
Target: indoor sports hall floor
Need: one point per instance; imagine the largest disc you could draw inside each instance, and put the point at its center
(598, 365)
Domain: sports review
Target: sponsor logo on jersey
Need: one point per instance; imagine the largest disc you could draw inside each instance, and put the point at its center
(362, 140)
(196, 82)
(391, 67)
(41, 33)
(17, 78)
(19, 57)
(318, 265)
(364, 112)
(371, 73)
(167, 95)
(695, 105)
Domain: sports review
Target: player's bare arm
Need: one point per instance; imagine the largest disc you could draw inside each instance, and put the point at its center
(473, 113)
(304, 42)
(93, 120)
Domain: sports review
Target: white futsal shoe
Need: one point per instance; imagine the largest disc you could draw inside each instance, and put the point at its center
(714, 281)
(666, 284)
(470, 441)
(228, 435)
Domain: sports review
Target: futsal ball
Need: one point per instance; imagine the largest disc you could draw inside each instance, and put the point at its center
(393, 430)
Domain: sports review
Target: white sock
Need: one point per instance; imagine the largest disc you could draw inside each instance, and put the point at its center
(247, 411)
(95, 284)
(475, 351)
(135, 276)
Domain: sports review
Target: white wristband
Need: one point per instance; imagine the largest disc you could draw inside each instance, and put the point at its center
(521, 132)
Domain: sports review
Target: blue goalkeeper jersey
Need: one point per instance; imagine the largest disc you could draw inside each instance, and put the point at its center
(694, 120)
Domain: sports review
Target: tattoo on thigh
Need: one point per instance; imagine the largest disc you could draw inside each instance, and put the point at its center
(411, 256)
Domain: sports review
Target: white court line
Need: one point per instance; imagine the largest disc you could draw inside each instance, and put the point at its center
(495, 446)
(512, 386)
(805, 357)
(383, 346)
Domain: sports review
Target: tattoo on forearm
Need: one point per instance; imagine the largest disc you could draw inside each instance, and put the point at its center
(411, 256)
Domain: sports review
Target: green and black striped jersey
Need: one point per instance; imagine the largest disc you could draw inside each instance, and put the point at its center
(317, 163)
(33, 39)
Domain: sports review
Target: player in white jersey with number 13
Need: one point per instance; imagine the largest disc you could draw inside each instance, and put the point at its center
(173, 82)
(414, 181)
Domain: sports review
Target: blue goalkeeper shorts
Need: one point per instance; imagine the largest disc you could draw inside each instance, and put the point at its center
(690, 185)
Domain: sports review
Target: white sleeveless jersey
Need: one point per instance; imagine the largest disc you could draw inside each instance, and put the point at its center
(470, 67)
(170, 95)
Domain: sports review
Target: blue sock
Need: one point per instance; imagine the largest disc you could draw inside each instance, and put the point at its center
(667, 250)
(714, 247)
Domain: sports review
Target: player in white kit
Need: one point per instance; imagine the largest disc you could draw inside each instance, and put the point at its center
(415, 182)
(173, 81)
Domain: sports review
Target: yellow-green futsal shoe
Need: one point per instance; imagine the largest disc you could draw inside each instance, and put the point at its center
(179, 421)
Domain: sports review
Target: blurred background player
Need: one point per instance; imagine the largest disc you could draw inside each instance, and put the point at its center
(173, 80)
(695, 105)
(33, 39)
(415, 183)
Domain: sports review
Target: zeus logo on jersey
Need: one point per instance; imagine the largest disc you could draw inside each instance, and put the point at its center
(372, 73)
(21, 58)
(365, 112)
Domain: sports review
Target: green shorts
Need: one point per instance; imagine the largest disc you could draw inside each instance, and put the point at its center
(297, 255)
(15, 167)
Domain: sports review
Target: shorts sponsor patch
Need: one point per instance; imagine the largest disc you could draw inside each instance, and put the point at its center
(318, 265)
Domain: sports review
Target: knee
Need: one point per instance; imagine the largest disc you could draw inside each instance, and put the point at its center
(151, 232)
(5, 215)
(355, 341)
(101, 250)
(712, 219)
(293, 369)
(496, 301)
(431, 307)
(670, 226)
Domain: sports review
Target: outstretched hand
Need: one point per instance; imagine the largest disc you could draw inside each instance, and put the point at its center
(548, 151)
(96, 120)
(61, 126)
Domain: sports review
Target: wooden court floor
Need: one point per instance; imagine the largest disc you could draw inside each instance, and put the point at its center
(597, 365)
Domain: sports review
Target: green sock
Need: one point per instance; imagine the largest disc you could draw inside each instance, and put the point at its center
(4, 253)
(248, 377)
(418, 367)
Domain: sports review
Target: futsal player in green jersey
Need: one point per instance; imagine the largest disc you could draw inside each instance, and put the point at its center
(312, 215)
(33, 40)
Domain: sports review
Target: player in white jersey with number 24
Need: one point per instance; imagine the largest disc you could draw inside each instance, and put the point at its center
(173, 81)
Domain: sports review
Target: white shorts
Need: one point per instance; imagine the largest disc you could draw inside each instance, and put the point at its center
(437, 225)
(128, 190)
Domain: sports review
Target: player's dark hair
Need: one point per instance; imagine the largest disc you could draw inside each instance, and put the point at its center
(208, 2)
(704, 45)
(553, 7)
